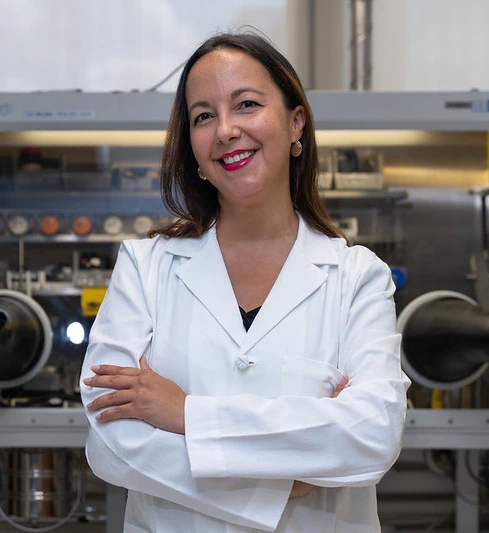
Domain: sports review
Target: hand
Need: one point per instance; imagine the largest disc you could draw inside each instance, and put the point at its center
(300, 488)
(138, 393)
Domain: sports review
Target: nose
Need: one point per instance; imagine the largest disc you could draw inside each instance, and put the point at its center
(227, 129)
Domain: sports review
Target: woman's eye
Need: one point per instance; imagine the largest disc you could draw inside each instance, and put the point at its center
(247, 104)
(201, 117)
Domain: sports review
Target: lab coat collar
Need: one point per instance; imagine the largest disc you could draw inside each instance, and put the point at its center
(317, 247)
(205, 275)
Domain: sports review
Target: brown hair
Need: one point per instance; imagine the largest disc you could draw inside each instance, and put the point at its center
(193, 201)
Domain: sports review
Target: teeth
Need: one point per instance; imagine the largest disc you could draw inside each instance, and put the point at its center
(237, 157)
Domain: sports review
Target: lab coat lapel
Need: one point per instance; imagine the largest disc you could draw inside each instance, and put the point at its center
(206, 277)
(299, 278)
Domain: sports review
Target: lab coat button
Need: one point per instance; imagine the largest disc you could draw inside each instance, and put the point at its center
(243, 362)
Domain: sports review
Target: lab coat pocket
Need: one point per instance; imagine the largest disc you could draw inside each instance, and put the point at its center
(302, 376)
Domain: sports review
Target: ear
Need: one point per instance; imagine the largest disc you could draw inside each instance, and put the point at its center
(298, 120)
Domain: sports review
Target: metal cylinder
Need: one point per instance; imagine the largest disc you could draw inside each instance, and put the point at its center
(39, 481)
(445, 340)
(26, 338)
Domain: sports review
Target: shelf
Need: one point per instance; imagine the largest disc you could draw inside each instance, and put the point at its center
(66, 291)
(19, 194)
(356, 197)
(40, 239)
(364, 194)
(372, 240)
(67, 194)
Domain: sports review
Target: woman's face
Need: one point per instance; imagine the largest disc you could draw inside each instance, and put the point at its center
(240, 129)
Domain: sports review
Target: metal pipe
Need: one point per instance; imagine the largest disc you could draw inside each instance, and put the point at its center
(361, 44)
(367, 46)
(353, 47)
(312, 43)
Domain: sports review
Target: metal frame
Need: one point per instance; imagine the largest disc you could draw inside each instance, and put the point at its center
(65, 110)
(456, 429)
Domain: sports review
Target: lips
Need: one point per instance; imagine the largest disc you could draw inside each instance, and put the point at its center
(237, 159)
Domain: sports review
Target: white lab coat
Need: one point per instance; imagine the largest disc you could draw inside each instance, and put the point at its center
(259, 412)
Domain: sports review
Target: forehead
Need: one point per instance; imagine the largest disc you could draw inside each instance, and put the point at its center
(227, 69)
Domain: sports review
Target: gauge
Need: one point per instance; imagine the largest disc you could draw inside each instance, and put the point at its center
(49, 225)
(113, 225)
(18, 225)
(142, 225)
(82, 225)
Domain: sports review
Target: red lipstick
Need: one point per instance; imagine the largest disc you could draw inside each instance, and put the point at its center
(236, 165)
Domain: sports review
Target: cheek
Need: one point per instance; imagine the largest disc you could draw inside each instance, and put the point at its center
(275, 128)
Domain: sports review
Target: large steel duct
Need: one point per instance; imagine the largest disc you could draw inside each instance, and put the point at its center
(26, 338)
(445, 339)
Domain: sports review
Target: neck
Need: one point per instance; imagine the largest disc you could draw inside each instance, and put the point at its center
(257, 223)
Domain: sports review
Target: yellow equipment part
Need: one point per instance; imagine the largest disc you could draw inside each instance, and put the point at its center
(91, 299)
(437, 399)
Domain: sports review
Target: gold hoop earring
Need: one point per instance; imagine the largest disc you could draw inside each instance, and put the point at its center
(296, 149)
(201, 174)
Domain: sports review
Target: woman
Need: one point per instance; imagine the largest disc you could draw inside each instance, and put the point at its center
(213, 380)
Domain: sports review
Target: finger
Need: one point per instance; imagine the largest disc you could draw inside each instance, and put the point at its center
(143, 363)
(117, 413)
(110, 399)
(115, 370)
(110, 382)
(341, 386)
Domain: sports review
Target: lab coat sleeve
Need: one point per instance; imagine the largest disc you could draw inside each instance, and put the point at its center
(137, 456)
(351, 440)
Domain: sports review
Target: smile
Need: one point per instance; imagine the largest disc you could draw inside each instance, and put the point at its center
(238, 157)
(236, 161)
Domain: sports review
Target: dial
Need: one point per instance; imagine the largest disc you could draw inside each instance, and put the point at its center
(142, 225)
(18, 225)
(82, 225)
(113, 225)
(49, 225)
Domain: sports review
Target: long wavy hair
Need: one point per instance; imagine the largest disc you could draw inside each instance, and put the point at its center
(192, 201)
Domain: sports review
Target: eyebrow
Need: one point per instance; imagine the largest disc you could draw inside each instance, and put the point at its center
(235, 94)
(239, 92)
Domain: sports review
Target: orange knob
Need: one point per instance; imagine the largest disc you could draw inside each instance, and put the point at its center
(49, 225)
(82, 225)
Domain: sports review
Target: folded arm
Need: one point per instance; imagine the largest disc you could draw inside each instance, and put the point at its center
(351, 440)
(134, 454)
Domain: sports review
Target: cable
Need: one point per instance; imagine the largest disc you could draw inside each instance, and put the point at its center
(151, 89)
(467, 500)
(62, 522)
(164, 80)
(480, 481)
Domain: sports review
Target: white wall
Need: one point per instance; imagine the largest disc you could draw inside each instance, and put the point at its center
(107, 45)
(331, 55)
(430, 44)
